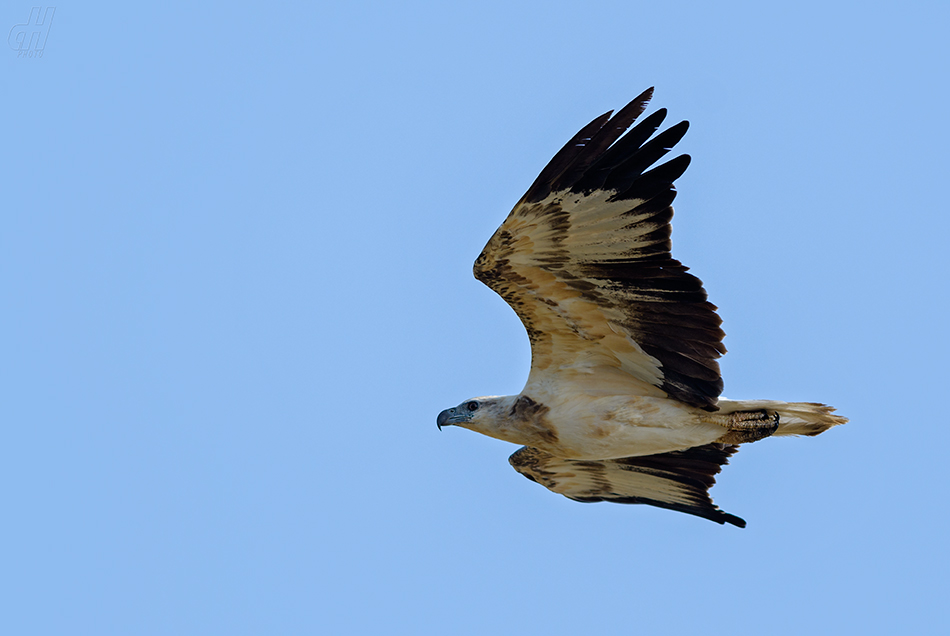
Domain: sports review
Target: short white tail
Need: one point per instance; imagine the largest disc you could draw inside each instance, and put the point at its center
(795, 418)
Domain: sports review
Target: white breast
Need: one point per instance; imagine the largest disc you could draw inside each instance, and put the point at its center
(626, 426)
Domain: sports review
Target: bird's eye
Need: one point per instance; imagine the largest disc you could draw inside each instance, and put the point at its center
(472, 406)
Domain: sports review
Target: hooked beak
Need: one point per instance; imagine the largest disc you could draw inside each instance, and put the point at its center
(449, 417)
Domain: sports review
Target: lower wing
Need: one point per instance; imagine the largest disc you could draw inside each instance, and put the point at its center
(677, 481)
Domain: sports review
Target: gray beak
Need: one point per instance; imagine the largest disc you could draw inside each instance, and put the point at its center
(443, 419)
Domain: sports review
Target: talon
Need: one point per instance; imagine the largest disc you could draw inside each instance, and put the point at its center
(748, 426)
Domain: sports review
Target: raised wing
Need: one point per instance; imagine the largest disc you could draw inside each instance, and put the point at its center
(584, 260)
(677, 481)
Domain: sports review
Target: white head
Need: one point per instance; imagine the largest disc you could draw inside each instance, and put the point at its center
(513, 418)
(488, 415)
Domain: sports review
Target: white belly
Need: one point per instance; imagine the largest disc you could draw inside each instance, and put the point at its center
(626, 426)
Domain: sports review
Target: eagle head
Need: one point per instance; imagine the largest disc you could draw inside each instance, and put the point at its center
(490, 416)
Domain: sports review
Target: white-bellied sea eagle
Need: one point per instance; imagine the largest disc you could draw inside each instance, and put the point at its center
(622, 401)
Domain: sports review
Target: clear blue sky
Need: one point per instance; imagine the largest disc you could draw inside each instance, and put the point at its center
(236, 260)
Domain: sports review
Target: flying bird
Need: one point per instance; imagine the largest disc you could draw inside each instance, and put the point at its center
(622, 403)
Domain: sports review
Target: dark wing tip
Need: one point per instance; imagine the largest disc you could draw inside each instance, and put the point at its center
(587, 147)
(738, 522)
(712, 513)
